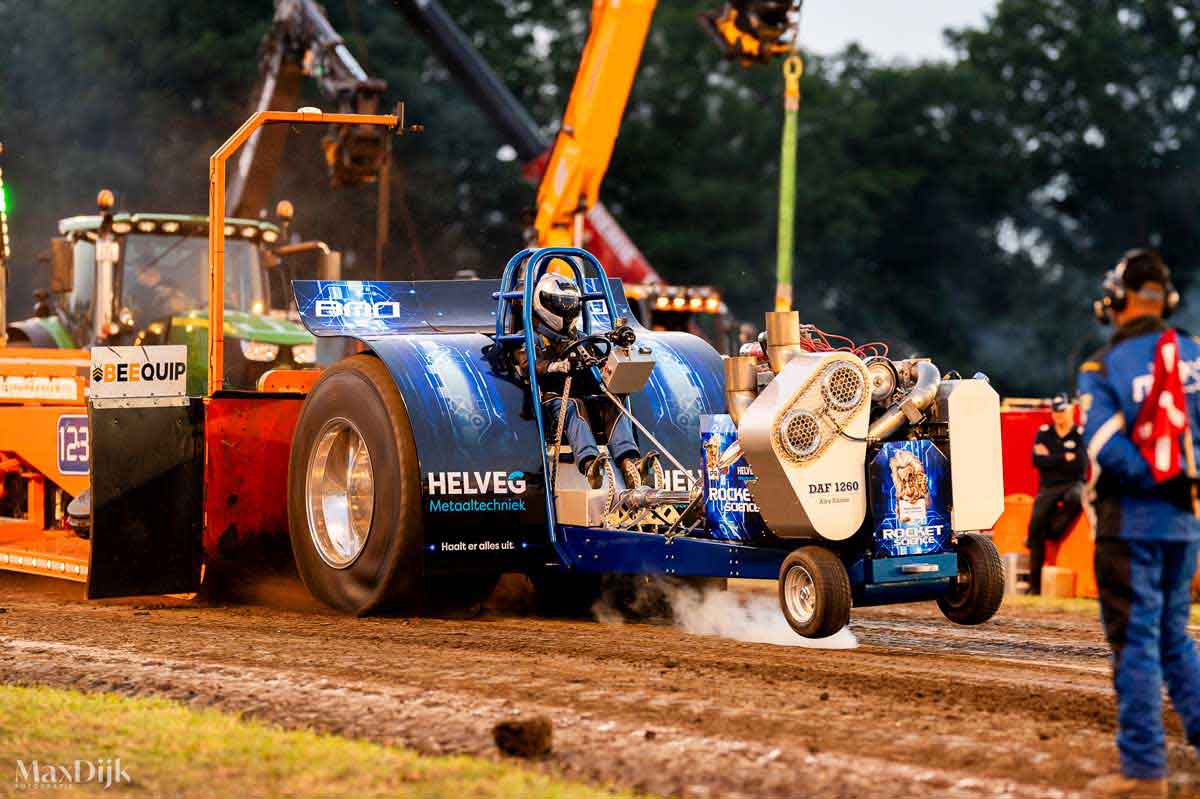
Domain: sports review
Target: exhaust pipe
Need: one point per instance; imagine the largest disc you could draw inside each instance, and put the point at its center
(783, 338)
(741, 384)
(645, 497)
(911, 409)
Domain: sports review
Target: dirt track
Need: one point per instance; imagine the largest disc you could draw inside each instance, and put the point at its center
(1019, 707)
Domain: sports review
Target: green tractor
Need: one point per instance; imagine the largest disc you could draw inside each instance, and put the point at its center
(142, 278)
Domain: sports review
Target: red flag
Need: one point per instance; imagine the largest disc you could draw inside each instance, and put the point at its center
(1163, 420)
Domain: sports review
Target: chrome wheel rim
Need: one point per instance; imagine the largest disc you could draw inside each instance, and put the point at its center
(340, 493)
(800, 594)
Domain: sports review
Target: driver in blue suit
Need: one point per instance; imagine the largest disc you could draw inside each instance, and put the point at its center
(557, 304)
(1142, 490)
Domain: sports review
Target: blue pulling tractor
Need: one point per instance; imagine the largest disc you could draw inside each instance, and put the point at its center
(422, 467)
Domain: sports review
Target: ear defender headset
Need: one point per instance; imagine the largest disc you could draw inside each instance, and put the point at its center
(1116, 295)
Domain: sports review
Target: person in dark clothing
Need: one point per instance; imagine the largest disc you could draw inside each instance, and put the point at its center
(1058, 455)
(1140, 398)
(557, 304)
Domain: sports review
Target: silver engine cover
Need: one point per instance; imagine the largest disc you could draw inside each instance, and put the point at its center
(810, 478)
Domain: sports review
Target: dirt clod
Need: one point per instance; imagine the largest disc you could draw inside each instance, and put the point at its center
(824, 696)
(527, 737)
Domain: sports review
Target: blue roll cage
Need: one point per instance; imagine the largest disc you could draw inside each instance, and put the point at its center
(533, 263)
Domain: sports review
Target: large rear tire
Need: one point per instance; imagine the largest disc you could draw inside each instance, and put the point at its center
(979, 589)
(354, 494)
(814, 592)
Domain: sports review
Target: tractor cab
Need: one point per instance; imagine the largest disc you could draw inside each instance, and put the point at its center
(142, 279)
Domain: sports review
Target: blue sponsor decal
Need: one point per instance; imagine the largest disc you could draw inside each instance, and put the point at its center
(729, 509)
(74, 444)
(910, 499)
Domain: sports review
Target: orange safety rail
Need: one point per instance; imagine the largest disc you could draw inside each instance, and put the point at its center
(216, 214)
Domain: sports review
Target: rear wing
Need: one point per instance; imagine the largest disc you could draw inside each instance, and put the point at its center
(370, 308)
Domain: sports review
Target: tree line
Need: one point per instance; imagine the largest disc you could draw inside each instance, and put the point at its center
(961, 210)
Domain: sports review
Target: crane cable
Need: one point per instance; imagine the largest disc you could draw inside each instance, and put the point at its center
(793, 68)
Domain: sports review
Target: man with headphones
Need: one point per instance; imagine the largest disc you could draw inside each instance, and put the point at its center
(1140, 398)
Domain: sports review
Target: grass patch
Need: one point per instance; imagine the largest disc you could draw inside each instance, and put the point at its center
(1089, 607)
(1052, 603)
(169, 749)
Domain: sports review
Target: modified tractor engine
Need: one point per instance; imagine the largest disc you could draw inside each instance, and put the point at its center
(812, 421)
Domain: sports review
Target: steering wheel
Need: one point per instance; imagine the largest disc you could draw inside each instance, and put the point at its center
(575, 351)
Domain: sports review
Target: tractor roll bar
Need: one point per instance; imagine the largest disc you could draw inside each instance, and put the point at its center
(216, 212)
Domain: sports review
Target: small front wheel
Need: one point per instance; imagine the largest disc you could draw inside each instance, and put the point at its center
(979, 589)
(814, 592)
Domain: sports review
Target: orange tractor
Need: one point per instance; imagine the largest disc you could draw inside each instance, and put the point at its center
(152, 470)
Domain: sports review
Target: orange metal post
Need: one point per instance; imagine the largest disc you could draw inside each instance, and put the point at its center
(216, 215)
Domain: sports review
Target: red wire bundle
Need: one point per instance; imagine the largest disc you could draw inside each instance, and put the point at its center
(817, 340)
(814, 339)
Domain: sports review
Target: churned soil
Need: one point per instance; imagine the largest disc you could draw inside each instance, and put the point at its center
(1021, 706)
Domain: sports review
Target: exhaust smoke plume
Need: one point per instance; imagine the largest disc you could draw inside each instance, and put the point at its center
(738, 615)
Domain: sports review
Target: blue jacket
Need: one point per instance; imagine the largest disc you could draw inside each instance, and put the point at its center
(1112, 385)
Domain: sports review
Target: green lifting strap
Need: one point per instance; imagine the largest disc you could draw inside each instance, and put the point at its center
(793, 68)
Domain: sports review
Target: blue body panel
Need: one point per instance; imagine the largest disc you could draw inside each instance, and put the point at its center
(898, 593)
(892, 570)
(478, 436)
(624, 552)
(470, 426)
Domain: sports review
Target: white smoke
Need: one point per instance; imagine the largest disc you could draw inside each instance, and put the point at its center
(738, 615)
(745, 617)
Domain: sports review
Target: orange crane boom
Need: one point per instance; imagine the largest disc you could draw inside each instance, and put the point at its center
(750, 31)
(584, 146)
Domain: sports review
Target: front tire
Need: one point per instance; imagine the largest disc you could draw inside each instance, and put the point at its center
(979, 589)
(814, 592)
(354, 496)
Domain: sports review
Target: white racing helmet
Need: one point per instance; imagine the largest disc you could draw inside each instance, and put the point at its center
(557, 302)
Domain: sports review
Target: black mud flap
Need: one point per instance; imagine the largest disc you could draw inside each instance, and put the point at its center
(147, 498)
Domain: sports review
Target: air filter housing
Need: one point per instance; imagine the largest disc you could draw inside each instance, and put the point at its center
(805, 439)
